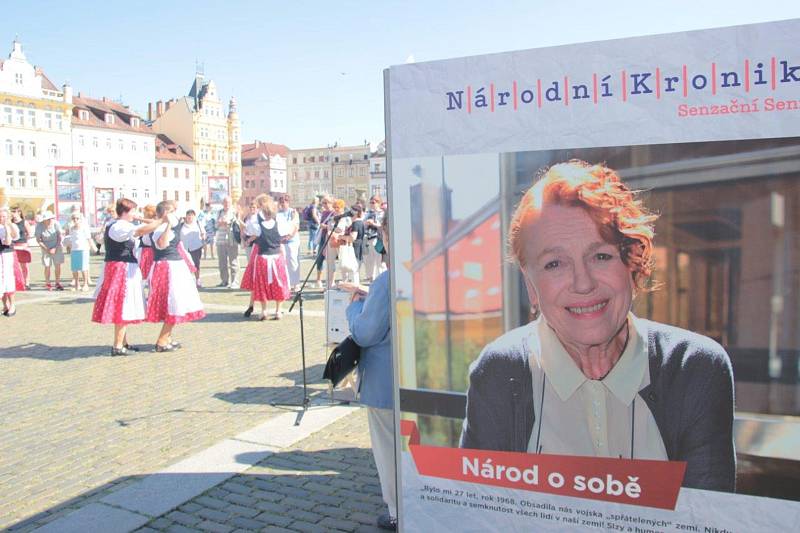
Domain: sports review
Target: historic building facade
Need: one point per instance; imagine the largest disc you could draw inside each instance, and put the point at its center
(341, 171)
(175, 175)
(263, 170)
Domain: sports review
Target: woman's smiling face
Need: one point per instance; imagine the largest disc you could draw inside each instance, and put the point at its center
(577, 279)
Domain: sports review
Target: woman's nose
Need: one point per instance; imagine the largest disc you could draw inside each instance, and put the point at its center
(583, 281)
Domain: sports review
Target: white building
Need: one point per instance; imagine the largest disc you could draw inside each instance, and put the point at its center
(34, 132)
(377, 171)
(175, 175)
(117, 152)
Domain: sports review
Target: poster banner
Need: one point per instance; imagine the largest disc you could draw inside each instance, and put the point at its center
(218, 188)
(68, 192)
(597, 303)
(103, 198)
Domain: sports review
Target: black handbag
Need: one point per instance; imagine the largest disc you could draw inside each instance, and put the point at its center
(343, 359)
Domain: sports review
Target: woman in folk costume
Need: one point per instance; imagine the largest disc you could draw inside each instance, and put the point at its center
(173, 295)
(119, 299)
(11, 279)
(146, 245)
(266, 276)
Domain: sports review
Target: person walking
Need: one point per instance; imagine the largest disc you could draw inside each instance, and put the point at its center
(120, 299)
(369, 317)
(291, 242)
(173, 295)
(227, 247)
(311, 214)
(208, 222)
(266, 276)
(192, 237)
(80, 245)
(50, 237)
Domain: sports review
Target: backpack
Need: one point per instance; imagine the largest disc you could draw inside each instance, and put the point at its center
(308, 213)
(237, 233)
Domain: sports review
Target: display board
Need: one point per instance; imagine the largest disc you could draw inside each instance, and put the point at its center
(69, 193)
(595, 251)
(218, 188)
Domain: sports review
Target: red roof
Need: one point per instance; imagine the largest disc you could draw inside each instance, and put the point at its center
(97, 111)
(253, 151)
(167, 149)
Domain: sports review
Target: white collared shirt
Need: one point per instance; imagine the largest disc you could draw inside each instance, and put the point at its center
(581, 416)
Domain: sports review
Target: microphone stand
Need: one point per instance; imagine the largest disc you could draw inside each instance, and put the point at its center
(298, 299)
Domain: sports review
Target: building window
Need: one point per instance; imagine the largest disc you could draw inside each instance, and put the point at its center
(146, 146)
(187, 196)
(164, 173)
(146, 170)
(20, 117)
(10, 178)
(95, 142)
(147, 193)
(177, 196)
(134, 122)
(32, 148)
(186, 171)
(9, 116)
(316, 174)
(95, 168)
(59, 122)
(48, 120)
(81, 140)
(134, 193)
(21, 148)
(294, 160)
(109, 170)
(121, 169)
(108, 143)
(121, 145)
(21, 179)
(164, 195)
(32, 118)
(83, 114)
(175, 172)
(18, 78)
(109, 118)
(9, 147)
(133, 146)
(133, 170)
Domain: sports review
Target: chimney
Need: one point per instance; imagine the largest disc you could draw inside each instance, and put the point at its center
(149, 111)
(104, 98)
(67, 93)
(168, 104)
(159, 108)
(257, 143)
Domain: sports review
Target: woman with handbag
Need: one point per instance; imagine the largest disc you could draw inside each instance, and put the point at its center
(369, 317)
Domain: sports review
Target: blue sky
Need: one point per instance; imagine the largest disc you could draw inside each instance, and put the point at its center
(309, 73)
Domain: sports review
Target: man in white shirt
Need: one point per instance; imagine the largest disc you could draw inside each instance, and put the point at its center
(227, 247)
(291, 242)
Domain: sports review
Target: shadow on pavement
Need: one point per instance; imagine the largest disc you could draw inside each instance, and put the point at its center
(224, 317)
(35, 350)
(332, 488)
(313, 374)
(267, 395)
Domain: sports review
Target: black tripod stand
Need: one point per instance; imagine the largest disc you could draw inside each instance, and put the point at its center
(298, 299)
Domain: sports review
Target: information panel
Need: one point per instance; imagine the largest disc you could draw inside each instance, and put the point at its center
(597, 301)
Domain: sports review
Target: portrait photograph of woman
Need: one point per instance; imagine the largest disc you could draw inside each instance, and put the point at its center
(631, 302)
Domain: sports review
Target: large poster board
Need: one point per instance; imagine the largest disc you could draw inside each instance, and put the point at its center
(218, 188)
(69, 193)
(594, 250)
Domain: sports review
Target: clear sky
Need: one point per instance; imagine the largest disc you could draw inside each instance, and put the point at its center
(309, 73)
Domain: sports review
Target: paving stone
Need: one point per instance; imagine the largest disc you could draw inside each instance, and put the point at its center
(190, 507)
(300, 525)
(183, 518)
(246, 523)
(307, 516)
(208, 501)
(274, 519)
(271, 507)
(213, 515)
(162, 523)
(241, 510)
(242, 499)
(215, 527)
(299, 503)
(276, 529)
(336, 523)
(177, 528)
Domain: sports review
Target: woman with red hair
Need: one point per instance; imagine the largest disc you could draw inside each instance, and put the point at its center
(587, 377)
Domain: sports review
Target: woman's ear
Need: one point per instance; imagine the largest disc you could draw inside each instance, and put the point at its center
(533, 297)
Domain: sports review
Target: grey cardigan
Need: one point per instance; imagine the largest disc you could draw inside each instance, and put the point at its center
(690, 395)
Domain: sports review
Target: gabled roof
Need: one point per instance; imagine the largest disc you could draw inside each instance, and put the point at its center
(97, 112)
(46, 83)
(167, 149)
(252, 151)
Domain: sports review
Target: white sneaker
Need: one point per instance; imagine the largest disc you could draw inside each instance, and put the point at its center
(199, 284)
(233, 286)
(318, 284)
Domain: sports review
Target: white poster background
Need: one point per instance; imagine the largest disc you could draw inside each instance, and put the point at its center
(422, 130)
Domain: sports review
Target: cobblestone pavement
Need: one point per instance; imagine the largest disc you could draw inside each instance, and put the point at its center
(77, 423)
(327, 482)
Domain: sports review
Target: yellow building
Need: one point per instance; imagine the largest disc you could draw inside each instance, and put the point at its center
(199, 123)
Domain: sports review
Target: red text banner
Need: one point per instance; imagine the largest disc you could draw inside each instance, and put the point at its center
(630, 481)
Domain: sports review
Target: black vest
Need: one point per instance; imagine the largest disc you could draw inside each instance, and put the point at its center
(21, 227)
(118, 251)
(269, 240)
(170, 253)
(5, 248)
(145, 244)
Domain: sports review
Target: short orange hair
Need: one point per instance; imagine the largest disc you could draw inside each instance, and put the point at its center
(620, 216)
(338, 204)
(149, 211)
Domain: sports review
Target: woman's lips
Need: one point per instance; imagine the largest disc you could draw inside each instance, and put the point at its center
(588, 309)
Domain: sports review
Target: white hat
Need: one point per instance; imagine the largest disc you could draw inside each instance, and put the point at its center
(47, 215)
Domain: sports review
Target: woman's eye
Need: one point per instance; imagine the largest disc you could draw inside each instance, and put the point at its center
(552, 264)
(604, 257)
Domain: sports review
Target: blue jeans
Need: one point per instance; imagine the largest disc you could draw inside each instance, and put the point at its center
(312, 238)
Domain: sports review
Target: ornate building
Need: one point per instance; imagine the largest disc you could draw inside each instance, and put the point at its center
(263, 170)
(34, 132)
(199, 123)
